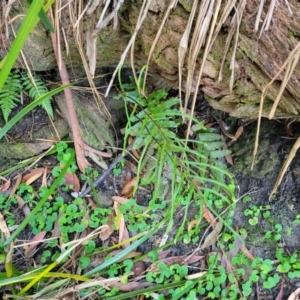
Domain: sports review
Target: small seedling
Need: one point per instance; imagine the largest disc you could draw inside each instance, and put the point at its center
(117, 171)
(274, 234)
(254, 211)
(297, 220)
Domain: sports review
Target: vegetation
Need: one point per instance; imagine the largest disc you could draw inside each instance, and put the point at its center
(168, 166)
(98, 250)
(13, 87)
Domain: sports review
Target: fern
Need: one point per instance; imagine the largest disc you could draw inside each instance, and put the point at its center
(189, 170)
(14, 85)
(35, 90)
(10, 93)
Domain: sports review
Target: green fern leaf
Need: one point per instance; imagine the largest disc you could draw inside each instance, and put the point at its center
(10, 94)
(208, 137)
(36, 90)
(219, 153)
(214, 145)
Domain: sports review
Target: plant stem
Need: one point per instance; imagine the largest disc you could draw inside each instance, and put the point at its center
(73, 121)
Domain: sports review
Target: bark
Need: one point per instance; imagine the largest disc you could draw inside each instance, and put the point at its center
(258, 57)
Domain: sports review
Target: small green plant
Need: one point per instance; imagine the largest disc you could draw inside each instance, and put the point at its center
(297, 220)
(117, 171)
(99, 216)
(17, 82)
(254, 212)
(274, 234)
(289, 265)
(63, 155)
(134, 217)
(27, 193)
(6, 207)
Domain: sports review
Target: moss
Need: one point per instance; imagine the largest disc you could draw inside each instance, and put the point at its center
(19, 150)
(187, 4)
(292, 34)
(216, 55)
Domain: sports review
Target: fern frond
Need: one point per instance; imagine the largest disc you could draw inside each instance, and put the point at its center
(179, 170)
(10, 94)
(35, 90)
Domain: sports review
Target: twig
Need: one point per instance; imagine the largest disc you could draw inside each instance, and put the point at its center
(73, 121)
(106, 172)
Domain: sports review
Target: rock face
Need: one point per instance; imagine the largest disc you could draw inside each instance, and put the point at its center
(259, 56)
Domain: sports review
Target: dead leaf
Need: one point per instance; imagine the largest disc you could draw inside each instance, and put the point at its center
(208, 125)
(227, 157)
(131, 166)
(92, 203)
(247, 253)
(123, 232)
(130, 255)
(134, 151)
(288, 127)
(56, 228)
(213, 236)
(239, 131)
(3, 227)
(197, 182)
(195, 276)
(192, 259)
(294, 294)
(44, 179)
(16, 185)
(37, 239)
(33, 175)
(233, 252)
(5, 186)
(107, 232)
(72, 179)
(138, 268)
(120, 200)
(161, 255)
(22, 205)
(208, 216)
(120, 224)
(128, 176)
(192, 224)
(127, 190)
(280, 294)
(130, 286)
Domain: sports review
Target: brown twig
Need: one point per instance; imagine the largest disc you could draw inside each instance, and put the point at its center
(73, 121)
